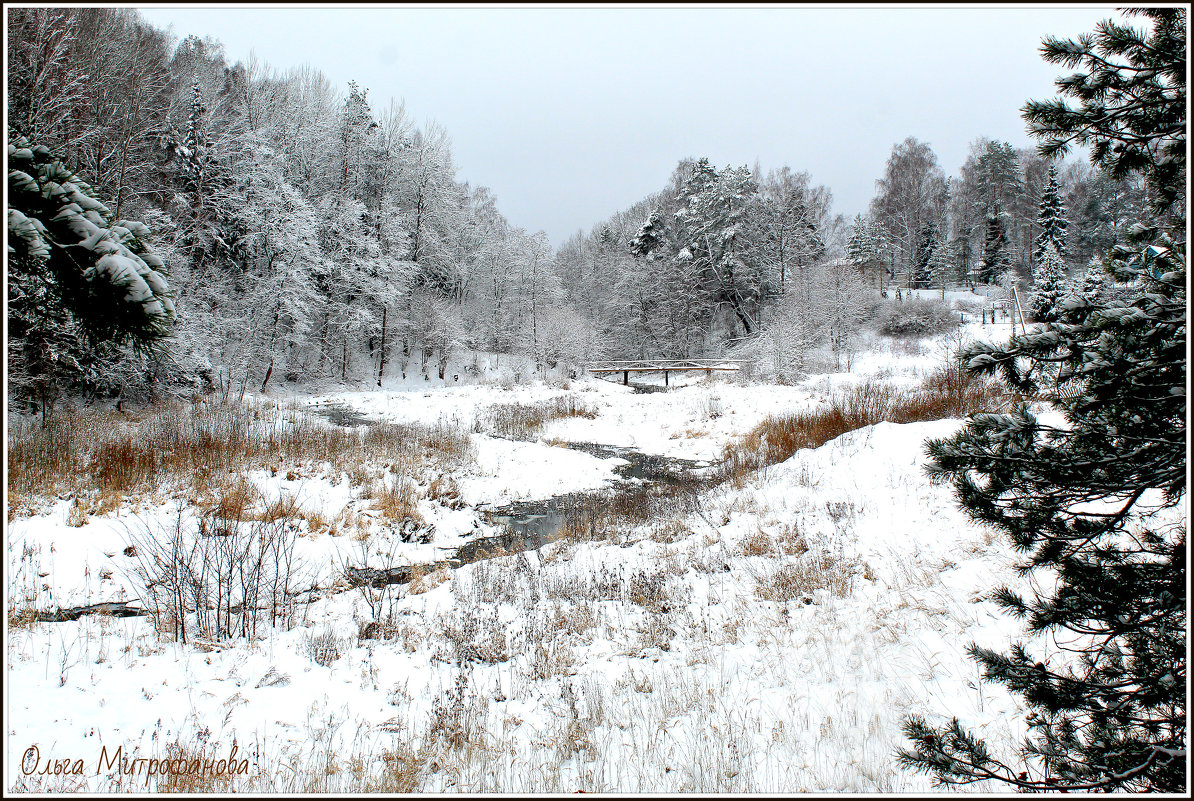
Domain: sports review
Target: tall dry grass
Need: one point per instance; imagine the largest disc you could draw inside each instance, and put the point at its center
(110, 453)
(949, 392)
(522, 421)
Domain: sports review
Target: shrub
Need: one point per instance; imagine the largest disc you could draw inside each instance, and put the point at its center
(916, 317)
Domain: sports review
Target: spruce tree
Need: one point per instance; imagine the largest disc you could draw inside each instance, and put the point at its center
(102, 270)
(929, 244)
(996, 260)
(941, 267)
(1094, 502)
(1048, 285)
(1094, 282)
(864, 247)
(1052, 220)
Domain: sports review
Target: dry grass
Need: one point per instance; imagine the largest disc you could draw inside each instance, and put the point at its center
(422, 581)
(198, 781)
(474, 637)
(399, 501)
(522, 421)
(323, 648)
(950, 392)
(113, 456)
(402, 771)
(798, 580)
(285, 507)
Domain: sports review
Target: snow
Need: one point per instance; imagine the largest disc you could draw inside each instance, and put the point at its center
(727, 691)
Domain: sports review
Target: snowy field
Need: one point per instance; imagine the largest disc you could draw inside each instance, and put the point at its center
(772, 641)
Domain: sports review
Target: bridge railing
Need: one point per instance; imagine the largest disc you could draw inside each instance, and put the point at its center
(652, 365)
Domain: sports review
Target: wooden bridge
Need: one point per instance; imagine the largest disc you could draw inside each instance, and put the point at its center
(665, 366)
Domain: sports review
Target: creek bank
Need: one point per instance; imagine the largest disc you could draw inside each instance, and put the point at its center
(531, 524)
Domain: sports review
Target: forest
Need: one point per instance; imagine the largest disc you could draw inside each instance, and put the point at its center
(296, 234)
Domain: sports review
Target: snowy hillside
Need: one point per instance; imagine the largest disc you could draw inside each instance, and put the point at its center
(770, 639)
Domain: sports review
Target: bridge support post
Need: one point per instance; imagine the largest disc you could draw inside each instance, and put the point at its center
(625, 378)
(665, 378)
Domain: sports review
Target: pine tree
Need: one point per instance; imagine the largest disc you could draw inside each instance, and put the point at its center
(1095, 501)
(1048, 285)
(1052, 220)
(650, 239)
(80, 283)
(1129, 96)
(996, 261)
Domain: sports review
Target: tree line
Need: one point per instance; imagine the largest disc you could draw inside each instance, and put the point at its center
(305, 235)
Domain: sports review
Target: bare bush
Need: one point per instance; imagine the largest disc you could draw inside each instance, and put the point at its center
(324, 648)
(220, 577)
(457, 715)
(916, 317)
(474, 637)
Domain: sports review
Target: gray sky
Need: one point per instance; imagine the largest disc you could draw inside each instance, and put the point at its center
(571, 114)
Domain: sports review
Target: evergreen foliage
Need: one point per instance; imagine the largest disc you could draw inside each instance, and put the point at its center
(1051, 220)
(929, 245)
(940, 269)
(1092, 501)
(996, 261)
(1131, 111)
(1048, 285)
(1094, 282)
(81, 285)
(863, 246)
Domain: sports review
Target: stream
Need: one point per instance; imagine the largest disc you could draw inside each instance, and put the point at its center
(532, 524)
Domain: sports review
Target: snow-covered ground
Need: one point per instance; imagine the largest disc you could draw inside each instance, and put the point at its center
(770, 642)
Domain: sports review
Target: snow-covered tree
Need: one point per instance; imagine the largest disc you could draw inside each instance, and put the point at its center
(1087, 501)
(791, 331)
(996, 261)
(78, 279)
(787, 222)
(930, 243)
(712, 224)
(843, 304)
(1052, 220)
(1048, 285)
(941, 268)
(911, 194)
(1093, 283)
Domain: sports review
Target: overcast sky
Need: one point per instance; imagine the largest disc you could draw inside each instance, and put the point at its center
(571, 114)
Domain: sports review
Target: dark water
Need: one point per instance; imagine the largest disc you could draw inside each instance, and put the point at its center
(539, 521)
(342, 415)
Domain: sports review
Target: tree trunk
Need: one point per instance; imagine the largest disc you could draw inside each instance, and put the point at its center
(268, 373)
(381, 370)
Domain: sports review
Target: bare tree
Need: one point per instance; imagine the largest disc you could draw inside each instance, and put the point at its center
(910, 195)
